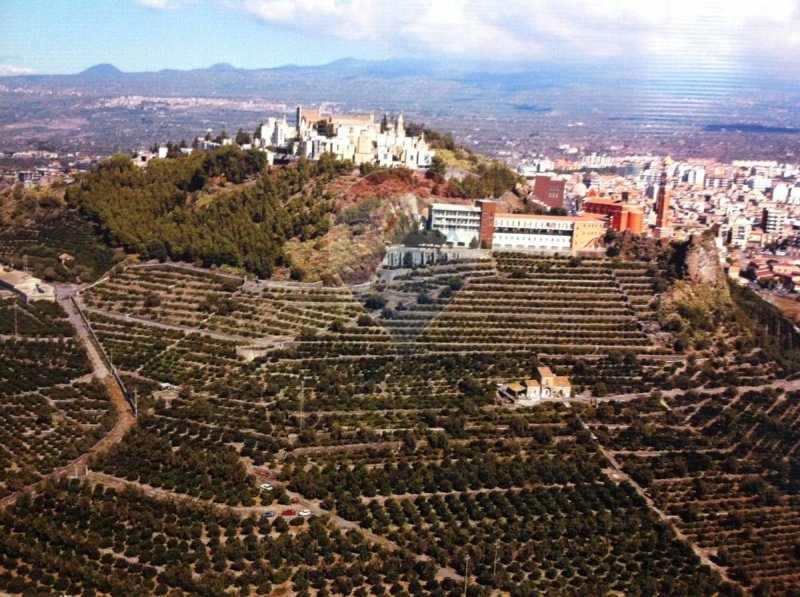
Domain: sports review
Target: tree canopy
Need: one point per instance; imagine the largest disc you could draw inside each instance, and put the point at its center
(156, 212)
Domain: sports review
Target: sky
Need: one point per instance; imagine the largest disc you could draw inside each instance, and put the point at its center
(67, 36)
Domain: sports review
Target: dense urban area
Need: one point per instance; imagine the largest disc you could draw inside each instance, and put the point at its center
(326, 351)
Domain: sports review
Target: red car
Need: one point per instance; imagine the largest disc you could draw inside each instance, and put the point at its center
(289, 513)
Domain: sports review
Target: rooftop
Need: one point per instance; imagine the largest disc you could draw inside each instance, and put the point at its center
(581, 218)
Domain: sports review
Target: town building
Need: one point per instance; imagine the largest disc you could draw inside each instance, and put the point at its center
(142, 158)
(30, 178)
(480, 225)
(276, 132)
(549, 191)
(740, 230)
(780, 193)
(536, 167)
(773, 220)
(623, 216)
(26, 285)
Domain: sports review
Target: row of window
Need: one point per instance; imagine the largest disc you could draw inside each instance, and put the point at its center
(533, 231)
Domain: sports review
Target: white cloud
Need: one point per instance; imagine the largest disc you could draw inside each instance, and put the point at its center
(164, 4)
(701, 32)
(10, 70)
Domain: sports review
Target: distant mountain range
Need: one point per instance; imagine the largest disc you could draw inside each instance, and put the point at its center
(498, 108)
(413, 85)
(394, 67)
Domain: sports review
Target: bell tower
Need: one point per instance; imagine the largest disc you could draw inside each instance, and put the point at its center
(663, 229)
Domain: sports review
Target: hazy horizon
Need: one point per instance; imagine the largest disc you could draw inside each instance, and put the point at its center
(715, 40)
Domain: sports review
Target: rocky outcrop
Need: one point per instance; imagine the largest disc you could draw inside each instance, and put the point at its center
(702, 262)
(699, 300)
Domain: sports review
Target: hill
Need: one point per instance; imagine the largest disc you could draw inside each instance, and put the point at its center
(104, 69)
(220, 67)
(155, 212)
(38, 228)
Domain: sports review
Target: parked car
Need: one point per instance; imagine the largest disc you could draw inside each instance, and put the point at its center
(268, 514)
(304, 513)
(289, 513)
(266, 487)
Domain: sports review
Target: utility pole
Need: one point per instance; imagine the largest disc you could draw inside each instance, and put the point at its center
(466, 575)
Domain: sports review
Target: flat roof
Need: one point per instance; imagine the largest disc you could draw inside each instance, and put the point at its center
(544, 217)
(15, 277)
(455, 206)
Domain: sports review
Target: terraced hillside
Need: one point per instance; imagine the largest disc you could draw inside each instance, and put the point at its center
(372, 411)
(548, 305)
(51, 411)
(724, 466)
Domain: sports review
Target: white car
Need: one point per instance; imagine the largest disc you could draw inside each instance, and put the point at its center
(266, 487)
(304, 513)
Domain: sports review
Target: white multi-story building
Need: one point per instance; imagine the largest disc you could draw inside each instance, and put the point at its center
(696, 176)
(740, 231)
(760, 182)
(461, 224)
(773, 220)
(536, 167)
(522, 231)
(275, 132)
(598, 161)
(780, 192)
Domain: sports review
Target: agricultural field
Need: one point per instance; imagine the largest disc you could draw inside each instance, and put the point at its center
(71, 539)
(724, 467)
(372, 410)
(51, 409)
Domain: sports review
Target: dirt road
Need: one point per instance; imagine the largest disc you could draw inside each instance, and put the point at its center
(125, 419)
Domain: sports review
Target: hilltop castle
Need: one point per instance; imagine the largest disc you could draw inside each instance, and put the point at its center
(361, 139)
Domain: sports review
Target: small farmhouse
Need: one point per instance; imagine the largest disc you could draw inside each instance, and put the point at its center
(543, 386)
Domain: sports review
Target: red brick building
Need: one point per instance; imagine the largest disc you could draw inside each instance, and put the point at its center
(622, 216)
(549, 191)
(486, 235)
